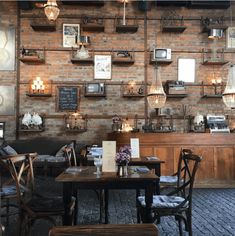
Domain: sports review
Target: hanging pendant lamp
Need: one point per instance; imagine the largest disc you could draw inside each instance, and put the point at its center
(51, 10)
(156, 96)
(229, 92)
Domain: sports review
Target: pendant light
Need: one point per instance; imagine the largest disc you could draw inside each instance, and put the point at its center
(156, 96)
(51, 10)
(229, 92)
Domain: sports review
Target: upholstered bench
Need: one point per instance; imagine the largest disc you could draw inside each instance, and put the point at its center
(51, 158)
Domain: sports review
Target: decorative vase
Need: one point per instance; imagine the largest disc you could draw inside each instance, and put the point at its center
(122, 170)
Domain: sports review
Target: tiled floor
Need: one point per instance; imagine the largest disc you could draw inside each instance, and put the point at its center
(213, 211)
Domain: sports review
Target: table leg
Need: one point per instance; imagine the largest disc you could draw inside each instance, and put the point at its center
(149, 199)
(67, 195)
(106, 202)
(158, 173)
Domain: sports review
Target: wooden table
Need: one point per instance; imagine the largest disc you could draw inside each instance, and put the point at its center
(86, 179)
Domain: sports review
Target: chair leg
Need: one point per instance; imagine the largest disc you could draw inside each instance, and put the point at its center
(7, 211)
(180, 227)
(189, 222)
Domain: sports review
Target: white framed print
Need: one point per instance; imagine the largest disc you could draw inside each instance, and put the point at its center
(186, 70)
(71, 34)
(102, 67)
(230, 37)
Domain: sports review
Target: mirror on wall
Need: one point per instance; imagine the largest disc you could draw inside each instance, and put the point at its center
(186, 70)
(2, 130)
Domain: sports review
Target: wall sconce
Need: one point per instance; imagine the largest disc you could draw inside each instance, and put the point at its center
(82, 52)
(215, 33)
(76, 122)
(37, 87)
(217, 83)
(51, 10)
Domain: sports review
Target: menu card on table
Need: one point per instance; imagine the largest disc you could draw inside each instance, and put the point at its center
(109, 152)
(135, 148)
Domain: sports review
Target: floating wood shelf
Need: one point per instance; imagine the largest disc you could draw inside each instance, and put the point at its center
(133, 95)
(127, 28)
(38, 95)
(31, 130)
(123, 61)
(212, 96)
(93, 27)
(87, 60)
(32, 60)
(212, 62)
(177, 95)
(161, 61)
(175, 29)
(84, 3)
(75, 130)
(43, 26)
(95, 95)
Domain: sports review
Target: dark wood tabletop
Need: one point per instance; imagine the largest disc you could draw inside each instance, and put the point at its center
(86, 179)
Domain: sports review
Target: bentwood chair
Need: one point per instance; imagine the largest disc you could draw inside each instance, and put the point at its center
(32, 206)
(177, 203)
(173, 180)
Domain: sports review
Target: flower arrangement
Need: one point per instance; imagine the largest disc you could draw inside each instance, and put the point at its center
(123, 156)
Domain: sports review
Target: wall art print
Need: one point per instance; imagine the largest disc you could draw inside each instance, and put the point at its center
(7, 100)
(7, 47)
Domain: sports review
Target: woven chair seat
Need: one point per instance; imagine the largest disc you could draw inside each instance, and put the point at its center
(8, 191)
(163, 201)
(168, 179)
(46, 204)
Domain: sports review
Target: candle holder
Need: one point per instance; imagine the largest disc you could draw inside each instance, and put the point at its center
(39, 87)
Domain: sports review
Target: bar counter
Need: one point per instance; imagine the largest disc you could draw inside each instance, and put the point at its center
(217, 168)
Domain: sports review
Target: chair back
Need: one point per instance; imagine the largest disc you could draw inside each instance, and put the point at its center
(21, 170)
(188, 166)
(70, 156)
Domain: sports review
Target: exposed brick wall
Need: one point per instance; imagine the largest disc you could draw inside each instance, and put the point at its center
(59, 68)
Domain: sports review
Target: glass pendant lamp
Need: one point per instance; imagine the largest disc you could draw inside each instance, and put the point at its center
(51, 10)
(229, 92)
(156, 96)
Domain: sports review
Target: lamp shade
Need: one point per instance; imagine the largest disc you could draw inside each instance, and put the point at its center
(229, 92)
(215, 33)
(156, 96)
(51, 10)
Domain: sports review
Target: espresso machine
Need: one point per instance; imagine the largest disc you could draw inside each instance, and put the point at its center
(217, 124)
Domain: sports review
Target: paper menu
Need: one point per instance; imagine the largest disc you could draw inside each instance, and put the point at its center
(108, 159)
(135, 148)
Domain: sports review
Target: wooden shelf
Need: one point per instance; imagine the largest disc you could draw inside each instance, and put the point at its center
(84, 61)
(211, 62)
(84, 3)
(212, 96)
(177, 95)
(133, 95)
(123, 61)
(127, 28)
(31, 130)
(93, 27)
(175, 29)
(32, 60)
(43, 25)
(161, 61)
(38, 95)
(75, 130)
(95, 95)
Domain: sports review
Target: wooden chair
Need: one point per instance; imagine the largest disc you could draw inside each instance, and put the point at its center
(32, 206)
(174, 179)
(177, 203)
(110, 229)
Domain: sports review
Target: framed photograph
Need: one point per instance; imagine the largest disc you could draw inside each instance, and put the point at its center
(103, 67)
(2, 130)
(186, 70)
(68, 98)
(230, 37)
(71, 33)
(7, 100)
(7, 48)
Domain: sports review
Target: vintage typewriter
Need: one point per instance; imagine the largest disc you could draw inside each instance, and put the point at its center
(217, 124)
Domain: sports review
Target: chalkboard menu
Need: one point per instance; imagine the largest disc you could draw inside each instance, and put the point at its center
(68, 98)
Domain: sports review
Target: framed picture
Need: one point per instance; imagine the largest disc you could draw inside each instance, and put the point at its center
(2, 130)
(7, 100)
(103, 67)
(7, 48)
(186, 70)
(230, 37)
(68, 98)
(71, 33)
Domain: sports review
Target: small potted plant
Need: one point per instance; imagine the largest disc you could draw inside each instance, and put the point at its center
(122, 158)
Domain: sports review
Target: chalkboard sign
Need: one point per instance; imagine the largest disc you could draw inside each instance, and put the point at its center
(68, 98)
